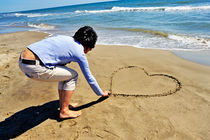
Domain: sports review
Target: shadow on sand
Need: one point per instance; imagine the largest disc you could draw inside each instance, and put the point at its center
(32, 116)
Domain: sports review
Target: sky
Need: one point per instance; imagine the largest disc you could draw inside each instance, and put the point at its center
(22, 5)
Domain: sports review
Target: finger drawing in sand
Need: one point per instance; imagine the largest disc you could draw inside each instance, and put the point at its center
(164, 84)
(45, 60)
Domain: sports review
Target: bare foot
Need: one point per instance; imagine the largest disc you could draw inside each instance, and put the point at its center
(73, 105)
(70, 114)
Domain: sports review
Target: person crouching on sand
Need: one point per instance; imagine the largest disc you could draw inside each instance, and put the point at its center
(45, 60)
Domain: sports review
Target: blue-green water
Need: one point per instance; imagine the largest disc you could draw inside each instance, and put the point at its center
(161, 24)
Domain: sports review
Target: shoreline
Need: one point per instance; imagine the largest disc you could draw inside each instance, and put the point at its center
(196, 56)
(29, 108)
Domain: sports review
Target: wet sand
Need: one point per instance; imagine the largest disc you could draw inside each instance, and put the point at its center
(155, 96)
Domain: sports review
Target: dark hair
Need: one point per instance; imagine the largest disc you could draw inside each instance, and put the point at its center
(86, 36)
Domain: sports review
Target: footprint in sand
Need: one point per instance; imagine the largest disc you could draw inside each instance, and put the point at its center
(2, 44)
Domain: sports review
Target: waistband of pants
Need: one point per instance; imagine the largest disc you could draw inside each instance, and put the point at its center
(31, 62)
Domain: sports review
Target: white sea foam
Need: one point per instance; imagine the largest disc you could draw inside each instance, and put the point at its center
(30, 15)
(130, 9)
(191, 40)
(145, 40)
(94, 11)
(42, 26)
(176, 8)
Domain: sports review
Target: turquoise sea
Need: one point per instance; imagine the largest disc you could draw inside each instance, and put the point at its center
(176, 25)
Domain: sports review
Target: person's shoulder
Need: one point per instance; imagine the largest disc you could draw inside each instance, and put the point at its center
(79, 53)
(64, 37)
(58, 37)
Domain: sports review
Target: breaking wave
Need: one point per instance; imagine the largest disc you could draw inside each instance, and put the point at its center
(42, 26)
(205, 42)
(131, 9)
(31, 15)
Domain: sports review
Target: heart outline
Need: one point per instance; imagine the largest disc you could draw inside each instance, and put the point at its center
(170, 92)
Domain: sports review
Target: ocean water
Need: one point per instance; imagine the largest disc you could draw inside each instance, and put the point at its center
(160, 24)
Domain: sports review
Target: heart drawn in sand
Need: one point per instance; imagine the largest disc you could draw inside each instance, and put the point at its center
(136, 81)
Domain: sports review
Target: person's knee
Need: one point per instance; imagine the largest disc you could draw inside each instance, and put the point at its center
(74, 75)
(69, 84)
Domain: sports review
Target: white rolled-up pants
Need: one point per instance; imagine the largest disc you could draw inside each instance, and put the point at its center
(66, 77)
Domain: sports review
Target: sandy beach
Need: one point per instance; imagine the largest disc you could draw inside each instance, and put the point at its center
(155, 96)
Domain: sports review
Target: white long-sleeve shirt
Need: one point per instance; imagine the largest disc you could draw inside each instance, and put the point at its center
(60, 50)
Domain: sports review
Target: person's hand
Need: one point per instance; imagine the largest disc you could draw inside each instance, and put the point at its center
(106, 93)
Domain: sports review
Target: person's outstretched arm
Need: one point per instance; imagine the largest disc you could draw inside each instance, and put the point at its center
(83, 63)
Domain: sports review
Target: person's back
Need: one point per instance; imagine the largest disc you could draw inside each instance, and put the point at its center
(57, 50)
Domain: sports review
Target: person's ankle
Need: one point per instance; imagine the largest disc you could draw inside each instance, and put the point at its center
(64, 110)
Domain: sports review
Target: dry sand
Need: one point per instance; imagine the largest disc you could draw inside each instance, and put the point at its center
(171, 102)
